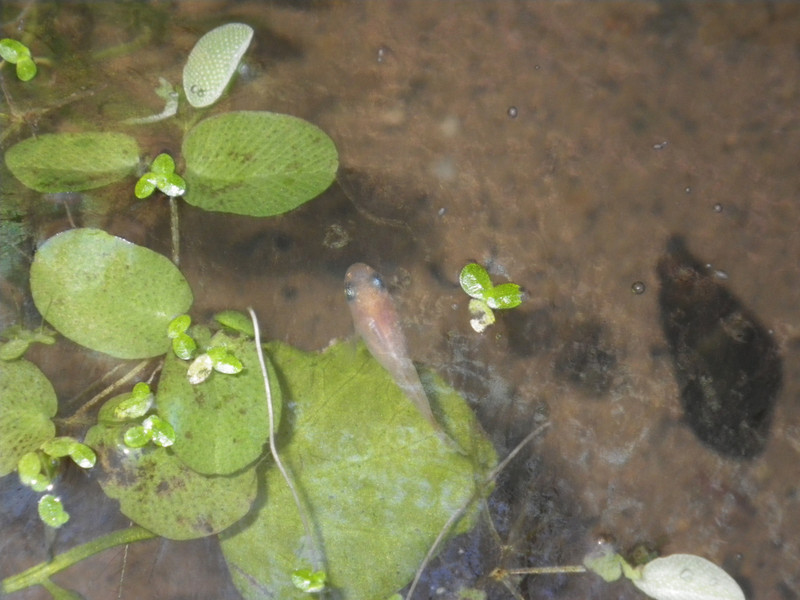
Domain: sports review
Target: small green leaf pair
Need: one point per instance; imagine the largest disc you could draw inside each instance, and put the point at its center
(19, 340)
(36, 469)
(153, 429)
(215, 358)
(183, 345)
(486, 296)
(18, 54)
(161, 176)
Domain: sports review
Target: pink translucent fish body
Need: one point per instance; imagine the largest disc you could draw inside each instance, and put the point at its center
(376, 321)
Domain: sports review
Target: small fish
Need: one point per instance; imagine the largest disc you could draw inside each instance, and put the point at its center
(376, 321)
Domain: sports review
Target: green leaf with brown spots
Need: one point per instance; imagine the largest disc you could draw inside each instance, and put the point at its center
(158, 491)
(376, 480)
(27, 404)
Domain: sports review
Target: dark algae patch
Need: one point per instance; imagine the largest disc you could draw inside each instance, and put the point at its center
(726, 363)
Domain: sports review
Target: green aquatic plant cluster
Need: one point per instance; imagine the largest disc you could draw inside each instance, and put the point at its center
(485, 296)
(308, 467)
(185, 441)
(18, 54)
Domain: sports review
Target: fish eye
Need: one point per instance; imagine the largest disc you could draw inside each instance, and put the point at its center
(349, 291)
(377, 282)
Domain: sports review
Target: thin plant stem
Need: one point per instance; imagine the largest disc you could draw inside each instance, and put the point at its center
(501, 573)
(38, 574)
(76, 417)
(175, 230)
(460, 512)
(316, 554)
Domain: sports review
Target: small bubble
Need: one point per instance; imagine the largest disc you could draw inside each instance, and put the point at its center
(687, 189)
(718, 208)
(512, 112)
(536, 67)
(383, 53)
(638, 287)
(687, 575)
(660, 146)
(442, 210)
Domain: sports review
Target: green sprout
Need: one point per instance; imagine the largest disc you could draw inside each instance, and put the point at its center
(183, 345)
(486, 296)
(309, 581)
(136, 405)
(153, 429)
(18, 54)
(161, 176)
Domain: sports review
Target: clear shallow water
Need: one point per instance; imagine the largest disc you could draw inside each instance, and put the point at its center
(633, 122)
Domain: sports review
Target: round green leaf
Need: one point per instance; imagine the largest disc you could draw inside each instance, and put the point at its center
(213, 61)
(687, 577)
(83, 456)
(145, 186)
(108, 294)
(136, 436)
(256, 163)
(376, 480)
(13, 349)
(27, 403)
(51, 511)
(71, 162)
(505, 295)
(163, 164)
(221, 425)
(475, 280)
(13, 50)
(184, 347)
(59, 446)
(158, 491)
(26, 69)
(236, 321)
(178, 325)
(161, 433)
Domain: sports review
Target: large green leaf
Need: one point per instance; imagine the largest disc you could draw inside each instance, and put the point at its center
(221, 424)
(376, 479)
(158, 491)
(256, 163)
(67, 162)
(108, 294)
(27, 402)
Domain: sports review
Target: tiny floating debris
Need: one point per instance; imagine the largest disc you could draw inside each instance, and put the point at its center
(727, 365)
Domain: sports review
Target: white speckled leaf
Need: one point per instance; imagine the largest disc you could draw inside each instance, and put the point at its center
(687, 577)
(213, 61)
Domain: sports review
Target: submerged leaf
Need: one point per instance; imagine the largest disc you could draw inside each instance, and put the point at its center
(257, 163)
(158, 491)
(71, 162)
(27, 403)
(108, 294)
(375, 478)
(213, 61)
(221, 425)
